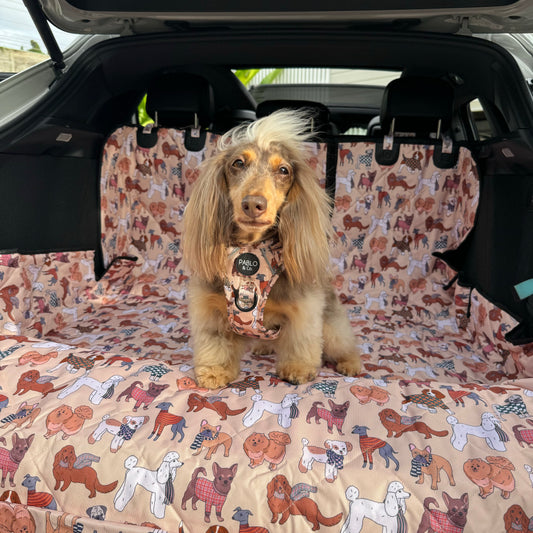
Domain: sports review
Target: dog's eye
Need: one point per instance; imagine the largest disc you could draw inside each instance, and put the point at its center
(284, 170)
(238, 163)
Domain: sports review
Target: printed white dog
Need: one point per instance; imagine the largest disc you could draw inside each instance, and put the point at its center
(489, 430)
(100, 390)
(286, 410)
(332, 456)
(121, 431)
(390, 513)
(159, 482)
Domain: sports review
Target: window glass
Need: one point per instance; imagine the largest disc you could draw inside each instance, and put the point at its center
(21, 45)
(481, 121)
(335, 76)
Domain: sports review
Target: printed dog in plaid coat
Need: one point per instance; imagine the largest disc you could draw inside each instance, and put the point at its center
(335, 417)
(428, 399)
(513, 405)
(10, 459)
(453, 521)
(210, 492)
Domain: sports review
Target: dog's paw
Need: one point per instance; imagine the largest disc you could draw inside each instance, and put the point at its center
(296, 373)
(263, 348)
(213, 377)
(349, 367)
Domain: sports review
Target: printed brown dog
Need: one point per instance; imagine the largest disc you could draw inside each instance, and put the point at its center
(515, 519)
(196, 402)
(68, 469)
(26, 413)
(495, 472)
(430, 464)
(259, 448)
(452, 521)
(367, 394)
(394, 424)
(10, 459)
(335, 417)
(211, 438)
(210, 492)
(67, 420)
(142, 396)
(282, 501)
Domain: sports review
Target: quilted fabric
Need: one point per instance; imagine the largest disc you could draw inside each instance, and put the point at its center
(100, 416)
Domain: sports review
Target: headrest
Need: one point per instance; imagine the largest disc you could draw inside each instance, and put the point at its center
(319, 113)
(417, 103)
(178, 98)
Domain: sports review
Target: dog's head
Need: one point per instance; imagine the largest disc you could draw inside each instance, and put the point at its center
(135, 422)
(457, 508)
(60, 414)
(223, 478)
(279, 485)
(338, 446)
(423, 457)
(256, 442)
(66, 457)
(259, 185)
(395, 498)
(515, 518)
(476, 469)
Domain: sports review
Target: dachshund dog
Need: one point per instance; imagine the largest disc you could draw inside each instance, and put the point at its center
(286, 500)
(69, 468)
(257, 215)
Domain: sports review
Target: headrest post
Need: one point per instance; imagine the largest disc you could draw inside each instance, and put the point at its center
(439, 125)
(196, 121)
(156, 120)
(392, 124)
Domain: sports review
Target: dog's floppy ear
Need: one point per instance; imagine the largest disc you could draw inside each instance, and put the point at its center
(207, 221)
(304, 227)
(271, 488)
(391, 503)
(163, 472)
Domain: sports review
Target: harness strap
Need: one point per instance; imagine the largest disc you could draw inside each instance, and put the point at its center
(251, 271)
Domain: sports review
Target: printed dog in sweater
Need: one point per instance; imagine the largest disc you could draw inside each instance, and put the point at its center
(210, 492)
(335, 417)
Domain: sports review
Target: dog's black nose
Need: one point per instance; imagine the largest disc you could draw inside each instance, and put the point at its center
(254, 206)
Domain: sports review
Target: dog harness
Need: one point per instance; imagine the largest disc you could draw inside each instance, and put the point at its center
(251, 271)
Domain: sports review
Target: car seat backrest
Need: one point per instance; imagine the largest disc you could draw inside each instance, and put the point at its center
(147, 173)
(415, 106)
(390, 220)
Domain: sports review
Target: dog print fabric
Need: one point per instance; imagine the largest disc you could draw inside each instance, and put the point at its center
(103, 427)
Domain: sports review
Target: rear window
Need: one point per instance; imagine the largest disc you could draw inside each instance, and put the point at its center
(21, 45)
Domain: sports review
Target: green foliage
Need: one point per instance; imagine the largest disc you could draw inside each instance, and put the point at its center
(35, 47)
(246, 76)
(144, 117)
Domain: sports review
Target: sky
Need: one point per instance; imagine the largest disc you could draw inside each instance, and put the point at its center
(17, 28)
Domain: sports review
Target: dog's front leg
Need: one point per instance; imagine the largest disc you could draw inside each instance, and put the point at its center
(339, 339)
(217, 349)
(300, 341)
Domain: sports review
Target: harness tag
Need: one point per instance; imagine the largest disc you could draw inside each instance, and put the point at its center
(250, 274)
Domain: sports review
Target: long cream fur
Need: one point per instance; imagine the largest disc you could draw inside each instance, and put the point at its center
(304, 221)
(302, 301)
